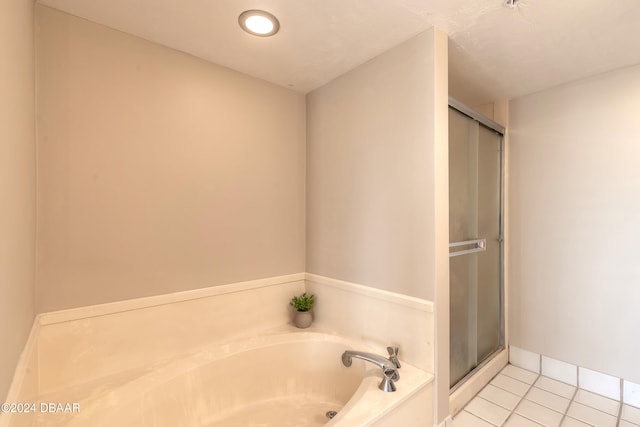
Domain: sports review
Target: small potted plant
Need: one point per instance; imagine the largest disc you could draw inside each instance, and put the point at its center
(302, 316)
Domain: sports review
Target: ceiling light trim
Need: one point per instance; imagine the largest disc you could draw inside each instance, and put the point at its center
(247, 14)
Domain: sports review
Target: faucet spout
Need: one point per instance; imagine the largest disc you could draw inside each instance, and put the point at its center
(389, 366)
(380, 361)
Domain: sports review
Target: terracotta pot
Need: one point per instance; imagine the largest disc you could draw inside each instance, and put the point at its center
(302, 319)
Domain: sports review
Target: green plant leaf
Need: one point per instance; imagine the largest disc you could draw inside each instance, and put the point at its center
(303, 302)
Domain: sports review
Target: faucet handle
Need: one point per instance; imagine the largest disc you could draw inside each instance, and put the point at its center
(393, 356)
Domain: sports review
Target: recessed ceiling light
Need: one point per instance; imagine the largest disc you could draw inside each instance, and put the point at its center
(259, 23)
(511, 3)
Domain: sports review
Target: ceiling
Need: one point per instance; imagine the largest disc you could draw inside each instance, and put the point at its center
(495, 52)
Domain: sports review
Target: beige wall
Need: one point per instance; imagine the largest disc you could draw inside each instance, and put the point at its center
(17, 183)
(370, 173)
(157, 171)
(574, 223)
(377, 181)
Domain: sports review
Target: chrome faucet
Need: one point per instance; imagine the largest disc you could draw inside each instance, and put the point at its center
(389, 366)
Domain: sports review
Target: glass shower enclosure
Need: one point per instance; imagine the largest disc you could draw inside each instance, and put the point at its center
(476, 241)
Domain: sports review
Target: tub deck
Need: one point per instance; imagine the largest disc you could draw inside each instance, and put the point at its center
(177, 392)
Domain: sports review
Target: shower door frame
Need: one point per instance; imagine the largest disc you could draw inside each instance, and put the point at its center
(500, 130)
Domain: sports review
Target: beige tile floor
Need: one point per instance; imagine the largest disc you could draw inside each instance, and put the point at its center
(519, 398)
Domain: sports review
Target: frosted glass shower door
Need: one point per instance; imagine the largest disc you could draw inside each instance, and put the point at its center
(475, 236)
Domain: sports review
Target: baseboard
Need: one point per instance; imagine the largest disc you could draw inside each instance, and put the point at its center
(601, 383)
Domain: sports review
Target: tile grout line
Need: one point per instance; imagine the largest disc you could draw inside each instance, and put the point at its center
(464, 409)
(558, 381)
(543, 406)
(566, 411)
(480, 418)
(598, 409)
(477, 396)
(531, 386)
(565, 414)
(621, 402)
(513, 411)
(595, 409)
(491, 401)
(518, 379)
(539, 371)
(475, 416)
(503, 389)
(576, 392)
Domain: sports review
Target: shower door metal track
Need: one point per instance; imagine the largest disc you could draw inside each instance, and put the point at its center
(457, 105)
(475, 370)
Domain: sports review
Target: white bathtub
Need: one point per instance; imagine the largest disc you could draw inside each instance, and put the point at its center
(278, 379)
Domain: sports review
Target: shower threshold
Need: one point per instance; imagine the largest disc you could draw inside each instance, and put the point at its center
(480, 365)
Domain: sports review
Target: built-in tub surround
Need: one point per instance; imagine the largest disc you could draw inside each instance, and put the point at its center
(376, 317)
(285, 378)
(111, 338)
(134, 361)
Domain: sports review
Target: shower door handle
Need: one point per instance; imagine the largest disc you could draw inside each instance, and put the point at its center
(479, 245)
